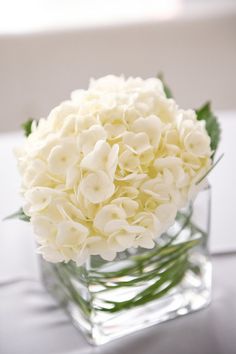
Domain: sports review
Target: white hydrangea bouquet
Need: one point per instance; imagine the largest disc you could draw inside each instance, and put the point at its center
(109, 179)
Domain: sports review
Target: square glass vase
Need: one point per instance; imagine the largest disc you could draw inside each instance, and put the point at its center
(141, 287)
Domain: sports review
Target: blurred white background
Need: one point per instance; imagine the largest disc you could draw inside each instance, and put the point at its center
(27, 16)
(49, 48)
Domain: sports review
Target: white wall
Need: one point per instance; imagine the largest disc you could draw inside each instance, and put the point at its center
(198, 57)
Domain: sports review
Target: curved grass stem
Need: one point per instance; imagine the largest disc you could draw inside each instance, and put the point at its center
(152, 273)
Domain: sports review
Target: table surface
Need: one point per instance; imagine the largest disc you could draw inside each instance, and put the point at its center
(31, 321)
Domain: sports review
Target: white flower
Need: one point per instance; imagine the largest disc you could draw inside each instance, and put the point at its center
(70, 126)
(127, 204)
(69, 211)
(146, 158)
(171, 141)
(129, 161)
(193, 134)
(57, 116)
(109, 83)
(138, 143)
(71, 234)
(122, 235)
(61, 158)
(73, 176)
(114, 130)
(148, 220)
(98, 245)
(108, 213)
(197, 143)
(159, 191)
(35, 174)
(174, 165)
(102, 158)
(44, 228)
(151, 126)
(127, 192)
(110, 168)
(51, 253)
(97, 187)
(166, 109)
(88, 138)
(145, 240)
(39, 198)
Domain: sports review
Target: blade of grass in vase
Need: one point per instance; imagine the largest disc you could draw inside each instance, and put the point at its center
(158, 271)
(175, 282)
(161, 280)
(172, 277)
(143, 258)
(210, 169)
(157, 258)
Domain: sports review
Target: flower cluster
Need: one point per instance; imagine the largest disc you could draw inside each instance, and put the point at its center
(109, 169)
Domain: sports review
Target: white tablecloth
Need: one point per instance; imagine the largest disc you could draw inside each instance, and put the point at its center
(32, 323)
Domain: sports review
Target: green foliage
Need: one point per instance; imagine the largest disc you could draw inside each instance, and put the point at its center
(212, 125)
(18, 215)
(27, 126)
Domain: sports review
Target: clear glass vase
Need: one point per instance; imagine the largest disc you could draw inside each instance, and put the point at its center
(141, 287)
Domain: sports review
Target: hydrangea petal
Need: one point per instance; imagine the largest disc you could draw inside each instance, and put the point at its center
(97, 187)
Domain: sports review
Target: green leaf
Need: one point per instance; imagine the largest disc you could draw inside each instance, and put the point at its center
(18, 215)
(27, 126)
(212, 125)
(167, 90)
